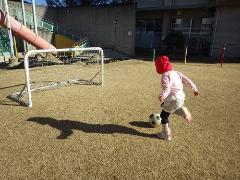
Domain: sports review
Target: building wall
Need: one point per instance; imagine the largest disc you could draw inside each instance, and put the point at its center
(149, 3)
(227, 31)
(150, 26)
(107, 27)
(223, 2)
(160, 4)
(190, 3)
(97, 23)
(168, 15)
(47, 35)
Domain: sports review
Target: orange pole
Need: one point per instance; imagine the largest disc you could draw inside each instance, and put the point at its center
(23, 32)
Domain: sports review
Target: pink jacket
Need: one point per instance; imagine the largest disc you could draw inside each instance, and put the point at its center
(172, 84)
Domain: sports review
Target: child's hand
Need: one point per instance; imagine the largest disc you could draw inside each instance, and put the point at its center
(161, 98)
(196, 93)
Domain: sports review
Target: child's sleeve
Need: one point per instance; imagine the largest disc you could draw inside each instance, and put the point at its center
(165, 83)
(187, 82)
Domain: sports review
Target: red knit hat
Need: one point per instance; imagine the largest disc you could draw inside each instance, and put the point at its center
(162, 64)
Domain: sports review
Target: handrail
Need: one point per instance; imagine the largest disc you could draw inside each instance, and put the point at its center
(43, 22)
(15, 11)
(81, 42)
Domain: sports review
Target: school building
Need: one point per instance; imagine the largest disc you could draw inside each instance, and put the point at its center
(206, 25)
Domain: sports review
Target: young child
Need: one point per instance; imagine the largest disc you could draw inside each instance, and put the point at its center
(172, 96)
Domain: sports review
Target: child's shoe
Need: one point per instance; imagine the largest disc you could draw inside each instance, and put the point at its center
(165, 133)
(183, 111)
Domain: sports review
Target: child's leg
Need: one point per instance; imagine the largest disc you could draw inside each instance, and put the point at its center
(166, 132)
(183, 112)
(164, 116)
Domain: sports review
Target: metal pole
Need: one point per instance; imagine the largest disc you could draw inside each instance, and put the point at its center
(15, 47)
(215, 30)
(102, 67)
(134, 33)
(189, 33)
(1, 47)
(185, 56)
(34, 16)
(27, 79)
(223, 54)
(9, 28)
(24, 23)
(154, 54)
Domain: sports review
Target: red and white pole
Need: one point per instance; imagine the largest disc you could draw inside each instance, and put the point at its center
(223, 54)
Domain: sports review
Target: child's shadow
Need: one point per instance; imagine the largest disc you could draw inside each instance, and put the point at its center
(141, 124)
(66, 127)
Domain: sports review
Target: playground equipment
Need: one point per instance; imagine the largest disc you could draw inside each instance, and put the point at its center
(42, 22)
(50, 76)
(23, 32)
(4, 45)
(44, 25)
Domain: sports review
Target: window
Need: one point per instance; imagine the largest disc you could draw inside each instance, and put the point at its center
(149, 25)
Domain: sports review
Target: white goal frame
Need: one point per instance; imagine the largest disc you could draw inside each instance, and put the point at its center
(16, 96)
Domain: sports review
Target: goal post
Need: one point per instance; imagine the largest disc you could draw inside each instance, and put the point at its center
(96, 57)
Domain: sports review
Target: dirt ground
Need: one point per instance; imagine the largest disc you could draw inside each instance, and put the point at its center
(102, 132)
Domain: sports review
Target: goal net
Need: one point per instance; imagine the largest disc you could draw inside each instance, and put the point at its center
(49, 69)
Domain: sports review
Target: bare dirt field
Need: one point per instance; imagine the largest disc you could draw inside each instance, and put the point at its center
(102, 132)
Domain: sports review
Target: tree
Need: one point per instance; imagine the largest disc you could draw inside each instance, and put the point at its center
(174, 40)
(63, 3)
(73, 3)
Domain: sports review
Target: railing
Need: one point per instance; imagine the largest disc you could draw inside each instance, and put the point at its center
(59, 29)
(169, 4)
(4, 45)
(42, 23)
(223, 2)
(196, 31)
(83, 43)
(16, 11)
(149, 3)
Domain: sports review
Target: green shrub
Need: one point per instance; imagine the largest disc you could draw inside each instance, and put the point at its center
(174, 40)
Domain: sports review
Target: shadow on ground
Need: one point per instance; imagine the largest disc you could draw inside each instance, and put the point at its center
(141, 124)
(8, 103)
(66, 127)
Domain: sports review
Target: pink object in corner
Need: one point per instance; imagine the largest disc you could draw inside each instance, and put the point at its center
(23, 32)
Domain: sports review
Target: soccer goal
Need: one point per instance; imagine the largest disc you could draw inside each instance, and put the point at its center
(55, 68)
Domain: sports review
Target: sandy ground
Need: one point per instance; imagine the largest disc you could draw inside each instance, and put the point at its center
(102, 132)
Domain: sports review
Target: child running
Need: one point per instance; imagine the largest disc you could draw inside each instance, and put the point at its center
(172, 96)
